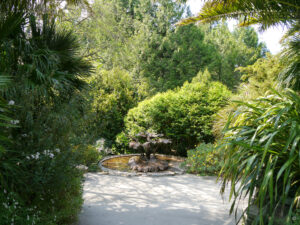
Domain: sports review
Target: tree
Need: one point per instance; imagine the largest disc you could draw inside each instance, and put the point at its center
(112, 93)
(232, 50)
(265, 14)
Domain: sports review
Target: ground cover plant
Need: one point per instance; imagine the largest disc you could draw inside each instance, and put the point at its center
(205, 159)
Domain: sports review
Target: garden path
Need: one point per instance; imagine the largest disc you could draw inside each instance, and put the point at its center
(177, 200)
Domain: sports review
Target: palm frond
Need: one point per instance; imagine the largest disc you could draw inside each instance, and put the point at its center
(265, 13)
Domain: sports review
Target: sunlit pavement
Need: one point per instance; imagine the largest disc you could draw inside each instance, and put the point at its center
(176, 200)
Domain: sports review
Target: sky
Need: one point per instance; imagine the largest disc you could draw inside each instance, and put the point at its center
(271, 36)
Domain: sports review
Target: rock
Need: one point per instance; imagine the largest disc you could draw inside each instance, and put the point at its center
(136, 163)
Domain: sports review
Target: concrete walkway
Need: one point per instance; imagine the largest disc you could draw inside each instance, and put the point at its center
(177, 200)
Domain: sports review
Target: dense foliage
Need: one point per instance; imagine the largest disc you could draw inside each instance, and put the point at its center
(262, 150)
(45, 73)
(262, 144)
(232, 50)
(112, 93)
(205, 159)
(54, 107)
(156, 54)
(184, 115)
(257, 79)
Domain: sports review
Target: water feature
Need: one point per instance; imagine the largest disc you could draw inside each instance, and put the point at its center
(119, 165)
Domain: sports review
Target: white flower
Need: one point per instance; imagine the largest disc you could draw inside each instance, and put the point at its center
(11, 102)
(57, 150)
(51, 155)
(15, 122)
(82, 167)
(27, 157)
(5, 191)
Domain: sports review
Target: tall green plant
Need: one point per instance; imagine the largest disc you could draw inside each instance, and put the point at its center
(262, 160)
(46, 73)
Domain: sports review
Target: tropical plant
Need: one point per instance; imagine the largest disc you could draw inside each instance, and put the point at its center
(46, 73)
(262, 159)
(290, 76)
(264, 13)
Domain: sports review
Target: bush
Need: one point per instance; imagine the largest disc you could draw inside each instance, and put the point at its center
(87, 155)
(184, 115)
(112, 93)
(38, 168)
(122, 144)
(262, 155)
(204, 160)
(257, 79)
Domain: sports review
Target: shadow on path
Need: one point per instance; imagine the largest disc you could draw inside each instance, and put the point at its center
(177, 200)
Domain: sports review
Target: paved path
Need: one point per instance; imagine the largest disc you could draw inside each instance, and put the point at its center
(177, 200)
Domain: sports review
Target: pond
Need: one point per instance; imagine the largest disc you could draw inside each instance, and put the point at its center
(120, 163)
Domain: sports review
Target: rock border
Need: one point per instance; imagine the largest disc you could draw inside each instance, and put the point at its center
(134, 173)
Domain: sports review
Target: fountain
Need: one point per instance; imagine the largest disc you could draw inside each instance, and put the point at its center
(147, 161)
(147, 144)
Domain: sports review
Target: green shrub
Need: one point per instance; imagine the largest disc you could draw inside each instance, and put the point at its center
(205, 159)
(184, 115)
(38, 168)
(122, 144)
(257, 79)
(112, 93)
(262, 155)
(87, 155)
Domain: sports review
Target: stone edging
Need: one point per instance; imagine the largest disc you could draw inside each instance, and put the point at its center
(130, 174)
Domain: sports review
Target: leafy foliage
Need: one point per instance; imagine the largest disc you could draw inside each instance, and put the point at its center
(258, 78)
(184, 115)
(205, 159)
(264, 13)
(46, 72)
(262, 145)
(230, 51)
(290, 76)
(112, 93)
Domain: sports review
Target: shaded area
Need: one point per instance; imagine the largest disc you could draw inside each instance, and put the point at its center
(186, 199)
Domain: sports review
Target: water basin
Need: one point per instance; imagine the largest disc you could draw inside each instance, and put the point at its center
(119, 165)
